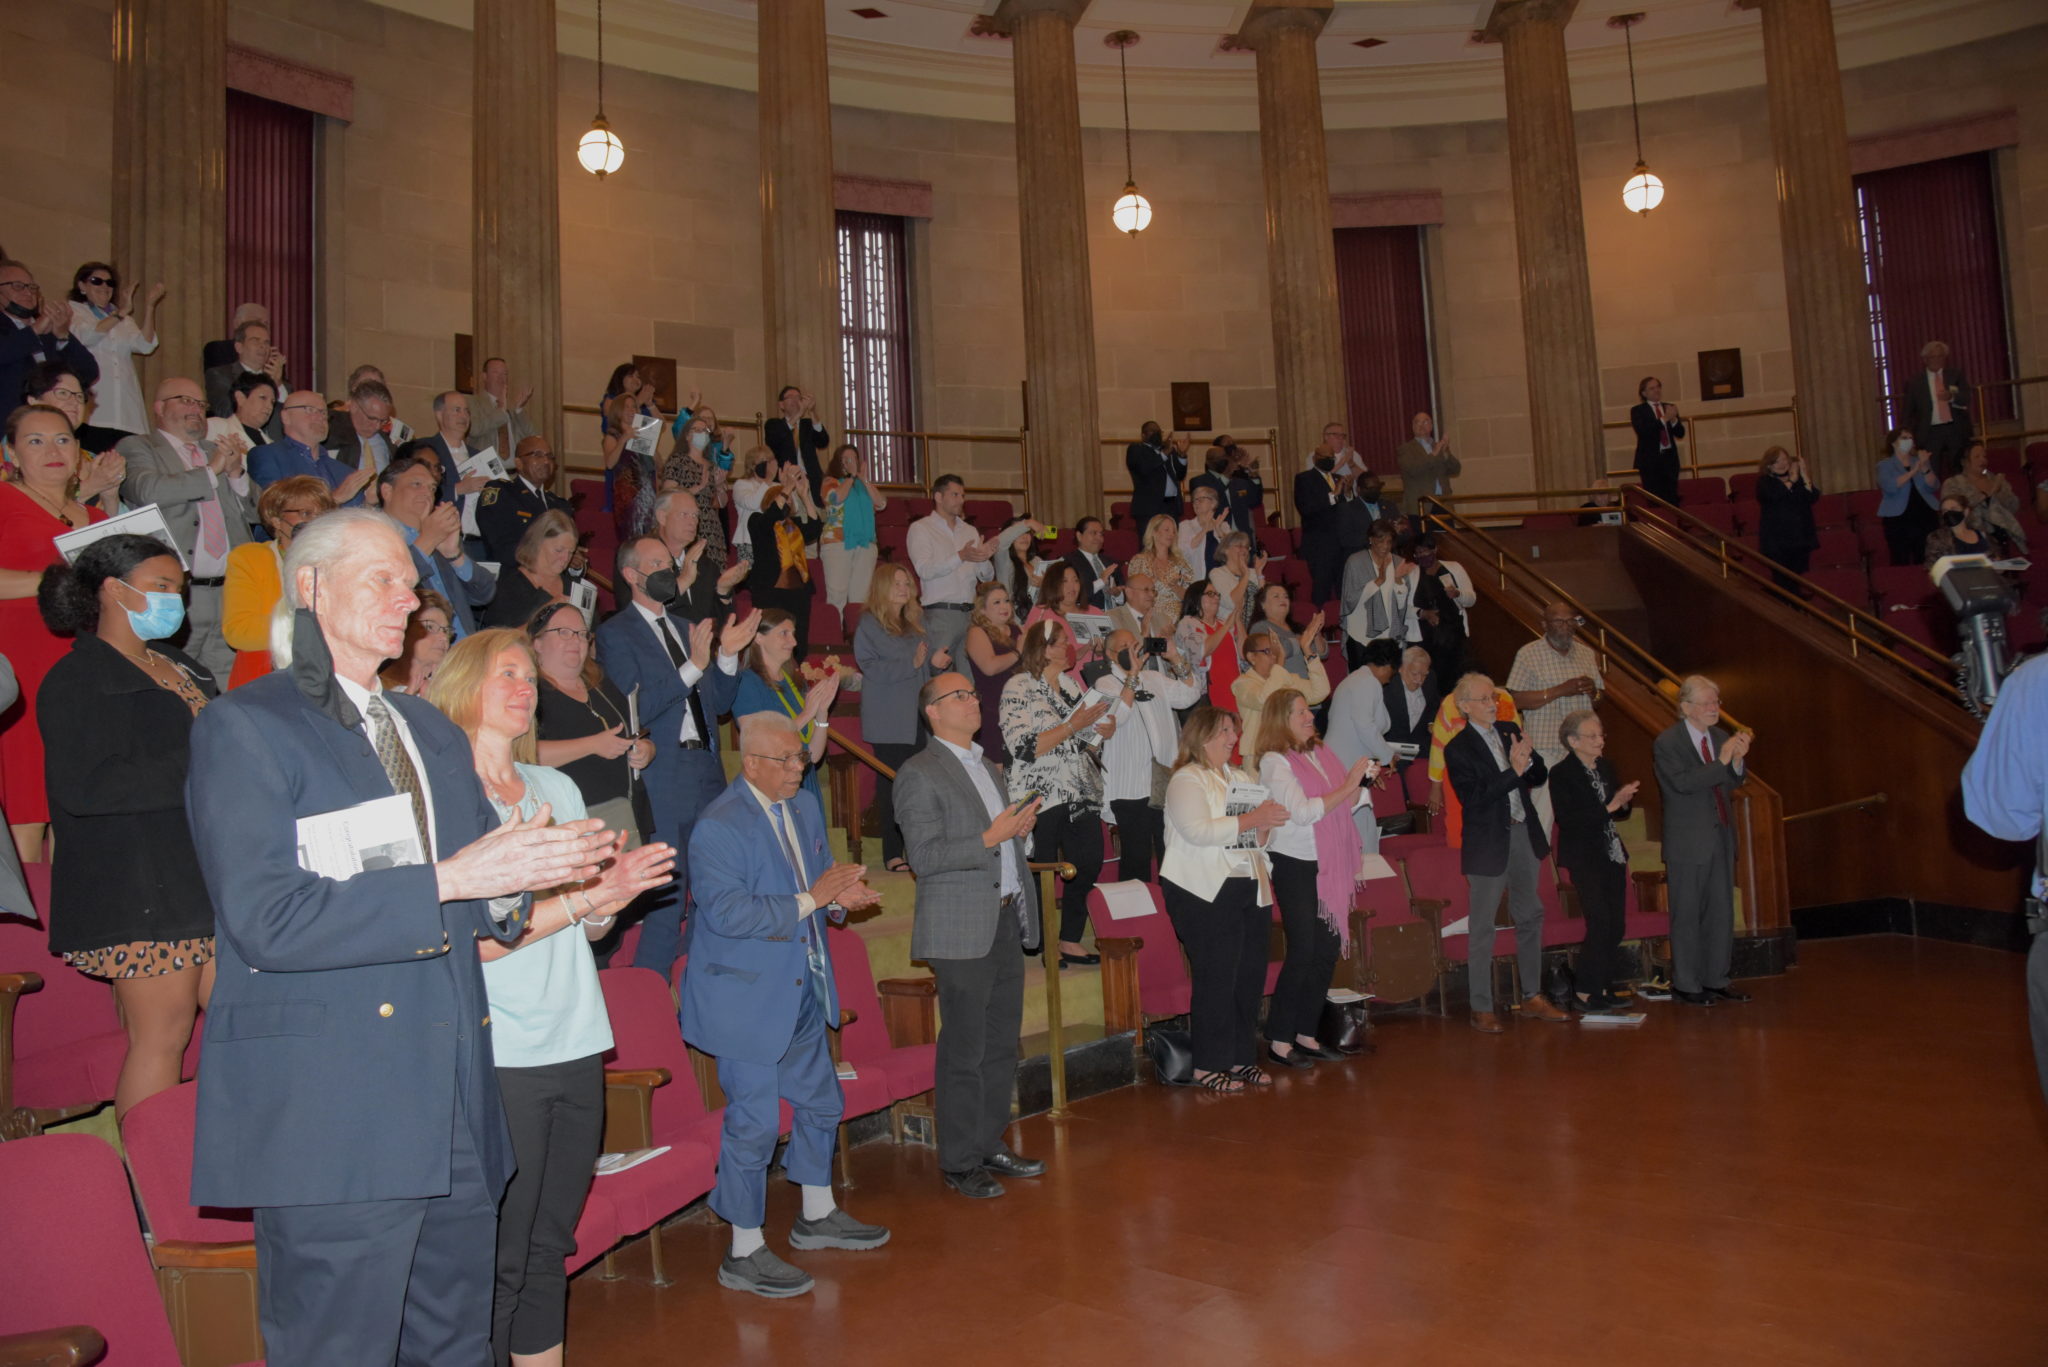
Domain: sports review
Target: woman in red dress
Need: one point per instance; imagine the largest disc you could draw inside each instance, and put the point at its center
(45, 501)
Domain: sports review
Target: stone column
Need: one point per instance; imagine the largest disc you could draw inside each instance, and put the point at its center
(799, 224)
(1063, 453)
(170, 173)
(1562, 362)
(514, 178)
(1833, 372)
(1301, 252)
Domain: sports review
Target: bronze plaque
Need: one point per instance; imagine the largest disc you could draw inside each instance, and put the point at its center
(1721, 373)
(661, 372)
(1191, 407)
(465, 362)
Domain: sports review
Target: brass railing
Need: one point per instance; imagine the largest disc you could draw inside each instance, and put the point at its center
(1692, 462)
(1854, 804)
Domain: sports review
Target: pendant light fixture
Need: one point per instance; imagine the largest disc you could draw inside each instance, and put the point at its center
(1131, 213)
(1643, 190)
(600, 150)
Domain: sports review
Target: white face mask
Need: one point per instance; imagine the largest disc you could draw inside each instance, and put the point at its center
(1903, 446)
(699, 440)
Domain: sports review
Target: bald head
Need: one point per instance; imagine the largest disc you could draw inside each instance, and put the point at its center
(1559, 621)
(180, 408)
(536, 461)
(951, 707)
(303, 415)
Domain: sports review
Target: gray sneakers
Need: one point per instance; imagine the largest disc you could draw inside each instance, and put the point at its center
(764, 1274)
(837, 1230)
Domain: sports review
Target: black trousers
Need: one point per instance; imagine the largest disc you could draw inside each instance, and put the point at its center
(1905, 536)
(981, 1011)
(556, 1114)
(892, 754)
(1325, 558)
(1141, 836)
(1073, 833)
(1225, 940)
(2037, 1005)
(1312, 951)
(1602, 888)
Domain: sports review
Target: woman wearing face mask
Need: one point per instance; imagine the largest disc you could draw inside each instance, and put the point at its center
(694, 467)
(1958, 533)
(36, 505)
(1786, 494)
(1988, 497)
(1912, 496)
(127, 902)
(105, 317)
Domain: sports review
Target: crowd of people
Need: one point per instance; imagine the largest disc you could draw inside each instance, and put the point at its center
(361, 612)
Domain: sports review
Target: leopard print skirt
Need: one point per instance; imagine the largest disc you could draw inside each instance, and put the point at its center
(142, 958)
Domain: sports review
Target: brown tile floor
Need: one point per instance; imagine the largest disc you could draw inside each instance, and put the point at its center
(1853, 1169)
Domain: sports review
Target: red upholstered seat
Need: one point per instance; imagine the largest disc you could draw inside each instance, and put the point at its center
(157, 1135)
(1895, 585)
(1433, 873)
(1722, 517)
(66, 1195)
(1119, 545)
(988, 515)
(68, 1043)
(896, 513)
(1838, 548)
(1742, 487)
(905, 1070)
(645, 1034)
(1120, 516)
(1863, 504)
(2007, 461)
(1705, 489)
(1163, 988)
(1276, 541)
(1851, 586)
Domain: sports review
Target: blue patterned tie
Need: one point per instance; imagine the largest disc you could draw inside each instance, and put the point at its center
(814, 949)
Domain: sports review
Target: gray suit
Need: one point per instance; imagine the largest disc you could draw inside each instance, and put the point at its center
(974, 942)
(159, 473)
(1699, 856)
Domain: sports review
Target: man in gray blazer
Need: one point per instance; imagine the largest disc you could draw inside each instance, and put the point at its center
(1699, 765)
(977, 915)
(206, 499)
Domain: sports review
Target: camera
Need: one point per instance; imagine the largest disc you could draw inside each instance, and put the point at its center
(1980, 597)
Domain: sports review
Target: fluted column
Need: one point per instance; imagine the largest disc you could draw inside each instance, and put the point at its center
(1833, 373)
(1562, 362)
(170, 159)
(799, 225)
(514, 170)
(1063, 456)
(1301, 252)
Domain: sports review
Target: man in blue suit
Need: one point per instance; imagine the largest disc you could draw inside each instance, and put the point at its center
(347, 1093)
(406, 491)
(298, 451)
(758, 997)
(681, 698)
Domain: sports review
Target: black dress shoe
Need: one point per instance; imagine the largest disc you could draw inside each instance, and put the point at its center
(1727, 994)
(1294, 1058)
(1078, 960)
(977, 1184)
(1007, 1164)
(1692, 998)
(1321, 1051)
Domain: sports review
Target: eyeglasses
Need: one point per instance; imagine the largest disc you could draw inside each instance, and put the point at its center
(99, 280)
(18, 285)
(194, 400)
(794, 757)
(956, 693)
(571, 632)
(1564, 621)
(436, 629)
(65, 393)
(302, 408)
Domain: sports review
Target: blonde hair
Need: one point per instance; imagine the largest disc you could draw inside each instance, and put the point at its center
(904, 621)
(458, 684)
(1275, 735)
(550, 524)
(980, 618)
(1201, 728)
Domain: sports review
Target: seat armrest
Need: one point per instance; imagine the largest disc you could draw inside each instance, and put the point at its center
(71, 1346)
(191, 1255)
(629, 1107)
(12, 985)
(1121, 1010)
(909, 1010)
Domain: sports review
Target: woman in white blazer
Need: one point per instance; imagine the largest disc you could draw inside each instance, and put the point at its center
(1217, 888)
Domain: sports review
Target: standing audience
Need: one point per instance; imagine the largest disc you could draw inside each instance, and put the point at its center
(895, 659)
(255, 571)
(1785, 496)
(849, 500)
(1589, 800)
(1699, 766)
(1912, 497)
(584, 725)
(769, 683)
(950, 558)
(993, 638)
(115, 330)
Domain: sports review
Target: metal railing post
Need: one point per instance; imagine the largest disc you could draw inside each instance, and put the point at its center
(1049, 942)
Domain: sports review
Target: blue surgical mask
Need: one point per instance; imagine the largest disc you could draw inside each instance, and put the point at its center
(164, 615)
(699, 440)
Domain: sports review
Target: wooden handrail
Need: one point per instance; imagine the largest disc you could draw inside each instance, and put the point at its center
(1666, 512)
(1692, 450)
(1854, 804)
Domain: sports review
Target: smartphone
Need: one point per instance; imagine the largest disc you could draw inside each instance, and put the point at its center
(1049, 534)
(1025, 801)
(1153, 645)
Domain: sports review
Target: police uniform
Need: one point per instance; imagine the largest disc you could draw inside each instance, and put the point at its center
(505, 509)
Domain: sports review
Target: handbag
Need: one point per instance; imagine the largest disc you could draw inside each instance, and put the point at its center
(1173, 1055)
(1345, 1028)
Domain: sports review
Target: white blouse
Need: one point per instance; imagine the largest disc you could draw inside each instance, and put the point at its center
(117, 394)
(1198, 835)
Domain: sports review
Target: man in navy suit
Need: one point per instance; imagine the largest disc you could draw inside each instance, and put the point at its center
(1495, 770)
(758, 997)
(681, 698)
(1156, 472)
(406, 491)
(348, 1094)
(298, 451)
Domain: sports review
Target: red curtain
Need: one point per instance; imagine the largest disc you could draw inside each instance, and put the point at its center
(874, 336)
(270, 223)
(1930, 238)
(1386, 337)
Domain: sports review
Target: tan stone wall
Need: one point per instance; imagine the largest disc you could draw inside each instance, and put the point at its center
(665, 258)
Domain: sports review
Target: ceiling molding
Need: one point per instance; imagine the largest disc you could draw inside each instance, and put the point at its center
(713, 41)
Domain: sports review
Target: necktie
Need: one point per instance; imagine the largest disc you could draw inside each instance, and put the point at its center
(213, 529)
(398, 767)
(814, 952)
(1720, 798)
(677, 658)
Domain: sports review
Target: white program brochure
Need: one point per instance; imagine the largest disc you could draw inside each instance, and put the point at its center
(378, 834)
(147, 520)
(487, 464)
(583, 594)
(1239, 799)
(646, 433)
(1089, 627)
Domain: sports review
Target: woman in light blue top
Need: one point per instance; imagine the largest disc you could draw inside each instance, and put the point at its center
(1912, 497)
(847, 545)
(548, 1025)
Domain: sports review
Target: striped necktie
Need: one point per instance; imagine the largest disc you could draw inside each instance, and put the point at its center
(398, 767)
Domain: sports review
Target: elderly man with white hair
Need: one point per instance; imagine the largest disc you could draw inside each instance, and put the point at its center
(758, 997)
(348, 1094)
(1699, 765)
(1935, 408)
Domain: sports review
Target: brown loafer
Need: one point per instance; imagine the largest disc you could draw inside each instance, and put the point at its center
(1487, 1023)
(1538, 1007)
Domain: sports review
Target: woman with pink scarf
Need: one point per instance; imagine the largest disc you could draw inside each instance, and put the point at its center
(1315, 858)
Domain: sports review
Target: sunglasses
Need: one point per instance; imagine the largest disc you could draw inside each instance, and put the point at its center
(99, 280)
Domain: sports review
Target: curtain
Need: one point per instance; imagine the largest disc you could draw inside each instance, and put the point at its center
(270, 222)
(1385, 326)
(1932, 260)
(874, 338)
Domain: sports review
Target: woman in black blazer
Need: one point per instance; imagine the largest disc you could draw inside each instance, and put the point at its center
(1785, 495)
(1658, 428)
(1588, 802)
(127, 902)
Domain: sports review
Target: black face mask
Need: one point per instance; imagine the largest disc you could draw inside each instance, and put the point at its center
(1123, 660)
(20, 310)
(660, 586)
(1325, 462)
(1951, 518)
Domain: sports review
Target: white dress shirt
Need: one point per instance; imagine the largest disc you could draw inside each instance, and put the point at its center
(942, 576)
(992, 801)
(1145, 734)
(206, 566)
(1296, 839)
(805, 903)
(1700, 738)
(657, 622)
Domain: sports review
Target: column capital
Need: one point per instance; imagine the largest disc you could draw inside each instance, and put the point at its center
(1268, 18)
(1004, 20)
(1509, 14)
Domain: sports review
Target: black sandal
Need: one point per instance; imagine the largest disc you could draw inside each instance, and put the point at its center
(898, 865)
(1252, 1075)
(1223, 1084)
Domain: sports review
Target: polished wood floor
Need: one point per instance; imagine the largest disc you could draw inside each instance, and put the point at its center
(1853, 1169)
